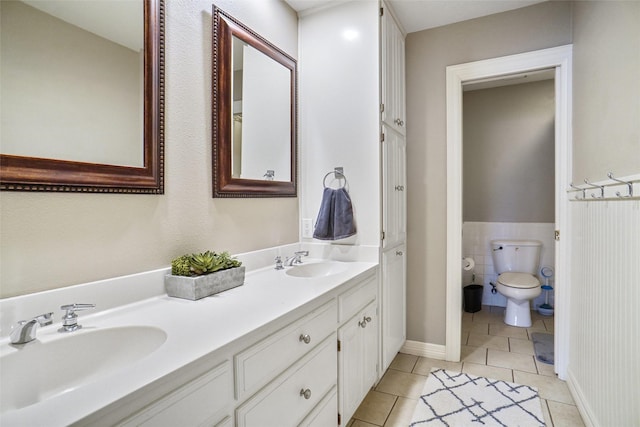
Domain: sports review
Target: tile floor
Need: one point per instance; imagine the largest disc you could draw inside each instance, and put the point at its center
(489, 348)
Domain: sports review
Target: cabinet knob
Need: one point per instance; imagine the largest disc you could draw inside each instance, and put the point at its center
(399, 253)
(399, 122)
(399, 187)
(362, 323)
(306, 393)
(367, 319)
(305, 338)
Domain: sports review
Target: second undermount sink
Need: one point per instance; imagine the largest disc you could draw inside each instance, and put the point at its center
(317, 269)
(37, 371)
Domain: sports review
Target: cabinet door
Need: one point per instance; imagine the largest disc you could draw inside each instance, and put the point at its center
(370, 334)
(393, 77)
(393, 303)
(350, 367)
(357, 359)
(394, 199)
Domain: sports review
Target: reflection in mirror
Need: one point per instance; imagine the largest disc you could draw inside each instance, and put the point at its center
(261, 115)
(81, 106)
(254, 114)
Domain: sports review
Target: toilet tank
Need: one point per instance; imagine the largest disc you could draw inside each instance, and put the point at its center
(522, 256)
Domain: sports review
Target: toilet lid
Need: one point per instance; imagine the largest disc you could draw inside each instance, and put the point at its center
(518, 280)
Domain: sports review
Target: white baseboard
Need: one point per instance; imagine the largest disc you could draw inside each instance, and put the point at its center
(423, 349)
(581, 402)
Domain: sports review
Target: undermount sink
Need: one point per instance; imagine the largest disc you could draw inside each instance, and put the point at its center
(37, 371)
(318, 269)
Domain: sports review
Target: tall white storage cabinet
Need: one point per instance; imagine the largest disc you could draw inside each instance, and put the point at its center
(394, 201)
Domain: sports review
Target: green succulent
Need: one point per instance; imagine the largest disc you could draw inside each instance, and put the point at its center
(202, 263)
(181, 266)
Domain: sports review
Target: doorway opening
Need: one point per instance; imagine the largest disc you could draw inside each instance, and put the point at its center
(558, 61)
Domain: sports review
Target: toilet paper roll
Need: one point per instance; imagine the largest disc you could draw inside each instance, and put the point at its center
(468, 264)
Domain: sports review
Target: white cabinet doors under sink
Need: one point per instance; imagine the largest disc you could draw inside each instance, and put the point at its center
(357, 359)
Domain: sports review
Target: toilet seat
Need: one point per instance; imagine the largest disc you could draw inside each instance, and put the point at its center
(518, 280)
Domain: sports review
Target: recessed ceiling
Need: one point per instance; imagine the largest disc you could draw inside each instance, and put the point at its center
(417, 15)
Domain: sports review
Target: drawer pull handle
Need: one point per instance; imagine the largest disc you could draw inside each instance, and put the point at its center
(306, 393)
(305, 338)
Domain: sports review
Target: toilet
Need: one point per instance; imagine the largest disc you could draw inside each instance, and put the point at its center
(516, 262)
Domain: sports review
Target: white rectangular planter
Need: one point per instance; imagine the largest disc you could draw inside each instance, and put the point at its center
(197, 287)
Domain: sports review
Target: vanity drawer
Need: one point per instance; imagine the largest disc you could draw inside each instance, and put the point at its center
(353, 300)
(325, 414)
(203, 401)
(283, 402)
(261, 362)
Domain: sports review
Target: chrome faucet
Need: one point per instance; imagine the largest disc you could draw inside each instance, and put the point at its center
(25, 330)
(296, 258)
(70, 318)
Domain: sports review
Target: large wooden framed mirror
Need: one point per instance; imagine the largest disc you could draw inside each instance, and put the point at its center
(254, 113)
(82, 96)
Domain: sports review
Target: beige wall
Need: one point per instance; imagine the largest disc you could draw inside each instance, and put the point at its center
(429, 52)
(508, 153)
(606, 95)
(54, 240)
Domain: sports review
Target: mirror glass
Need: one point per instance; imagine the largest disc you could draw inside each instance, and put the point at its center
(81, 95)
(261, 115)
(254, 138)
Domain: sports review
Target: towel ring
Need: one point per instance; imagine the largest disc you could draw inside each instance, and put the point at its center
(336, 173)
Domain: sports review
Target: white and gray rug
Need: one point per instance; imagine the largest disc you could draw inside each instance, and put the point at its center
(456, 399)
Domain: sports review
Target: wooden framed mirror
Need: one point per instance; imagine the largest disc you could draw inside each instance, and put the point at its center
(254, 113)
(45, 150)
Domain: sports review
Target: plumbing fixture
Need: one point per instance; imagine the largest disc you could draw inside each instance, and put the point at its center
(279, 265)
(296, 258)
(70, 318)
(25, 330)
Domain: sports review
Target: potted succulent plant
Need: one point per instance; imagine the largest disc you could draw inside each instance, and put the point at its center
(195, 276)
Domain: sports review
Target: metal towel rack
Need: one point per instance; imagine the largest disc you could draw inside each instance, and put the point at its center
(614, 189)
(338, 173)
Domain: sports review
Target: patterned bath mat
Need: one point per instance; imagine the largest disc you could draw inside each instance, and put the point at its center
(543, 347)
(455, 399)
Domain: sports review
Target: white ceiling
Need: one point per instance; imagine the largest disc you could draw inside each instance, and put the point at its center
(417, 15)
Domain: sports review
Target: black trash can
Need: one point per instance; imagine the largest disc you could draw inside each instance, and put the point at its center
(472, 298)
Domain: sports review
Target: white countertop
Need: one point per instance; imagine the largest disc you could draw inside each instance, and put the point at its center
(194, 329)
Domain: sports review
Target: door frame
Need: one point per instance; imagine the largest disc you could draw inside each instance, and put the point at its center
(559, 58)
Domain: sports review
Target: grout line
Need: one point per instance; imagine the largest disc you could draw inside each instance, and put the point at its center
(395, 402)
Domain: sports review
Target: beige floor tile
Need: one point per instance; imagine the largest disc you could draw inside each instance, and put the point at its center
(545, 411)
(503, 330)
(505, 359)
(424, 365)
(549, 324)
(544, 368)
(488, 341)
(479, 328)
(550, 388)
(564, 415)
(401, 413)
(464, 337)
(485, 316)
(517, 345)
(488, 371)
(358, 423)
(538, 324)
(375, 407)
(497, 309)
(402, 384)
(473, 354)
(404, 362)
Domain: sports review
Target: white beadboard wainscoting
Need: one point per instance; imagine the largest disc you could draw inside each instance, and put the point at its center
(476, 239)
(603, 371)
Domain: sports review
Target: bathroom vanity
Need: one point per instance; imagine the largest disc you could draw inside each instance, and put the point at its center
(298, 346)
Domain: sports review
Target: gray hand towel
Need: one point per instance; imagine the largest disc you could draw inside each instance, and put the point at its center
(335, 219)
